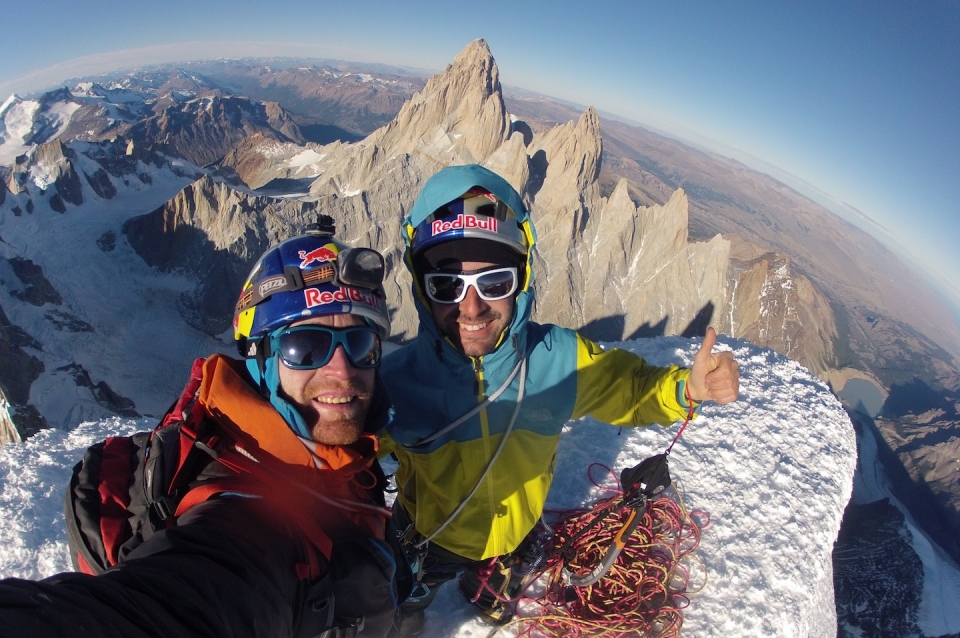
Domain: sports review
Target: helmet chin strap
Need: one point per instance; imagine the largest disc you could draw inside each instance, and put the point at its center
(264, 368)
(261, 360)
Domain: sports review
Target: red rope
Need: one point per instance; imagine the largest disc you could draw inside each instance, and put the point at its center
(645, 590)
(691, 409)
(483, 576)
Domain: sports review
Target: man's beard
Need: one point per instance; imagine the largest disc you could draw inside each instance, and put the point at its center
(336, 425)
(480, 346)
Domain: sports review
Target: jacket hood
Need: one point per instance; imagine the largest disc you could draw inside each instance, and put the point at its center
(444, 187)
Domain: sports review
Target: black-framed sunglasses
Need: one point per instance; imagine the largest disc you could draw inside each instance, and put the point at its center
(492, 284)
(310, 347)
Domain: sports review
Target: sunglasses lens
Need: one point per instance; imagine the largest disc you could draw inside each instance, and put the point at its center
(444, 288)
(312, 347)
(306, 348)
(496, 285)
(363, 348)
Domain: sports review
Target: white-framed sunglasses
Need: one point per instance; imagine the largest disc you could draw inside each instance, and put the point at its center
(491, 284)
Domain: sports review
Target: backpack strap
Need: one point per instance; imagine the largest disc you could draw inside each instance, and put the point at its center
(200, 494)
(191, 421)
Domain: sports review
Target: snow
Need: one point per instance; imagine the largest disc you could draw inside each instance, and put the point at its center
(305, 158)
(6, 103)
(773, 471)
(131, 307)
(16, 124)
(22, 118)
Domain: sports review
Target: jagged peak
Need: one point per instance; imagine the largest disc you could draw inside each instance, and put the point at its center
(458, 117)
(472, 70)
(206, 181)
(573, 149)
(62, 94)
(52, 152)
(590, 121)
(676, 197)
(620, 197)
(475, 51)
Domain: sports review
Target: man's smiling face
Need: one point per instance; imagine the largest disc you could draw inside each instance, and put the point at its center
(474, 325)
(334, 399)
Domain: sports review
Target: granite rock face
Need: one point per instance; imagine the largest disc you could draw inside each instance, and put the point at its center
(18, 370)
(204, 129)
(213, 233)
(604, 263)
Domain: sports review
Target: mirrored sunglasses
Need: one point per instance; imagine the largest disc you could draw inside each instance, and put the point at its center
(310, 347)
(492, 285)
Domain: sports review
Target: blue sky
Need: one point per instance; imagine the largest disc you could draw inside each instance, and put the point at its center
(858, 99)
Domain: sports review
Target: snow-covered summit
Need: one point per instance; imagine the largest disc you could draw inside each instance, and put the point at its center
(773, 471)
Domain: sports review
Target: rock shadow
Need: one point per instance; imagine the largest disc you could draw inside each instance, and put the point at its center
(612, 328)
(700, 322)
(219, 274)
(916, 496)
(917, 397)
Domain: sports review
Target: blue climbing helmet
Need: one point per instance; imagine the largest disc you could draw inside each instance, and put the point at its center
(311, 275)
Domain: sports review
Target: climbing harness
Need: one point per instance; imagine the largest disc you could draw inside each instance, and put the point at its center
(417, 544)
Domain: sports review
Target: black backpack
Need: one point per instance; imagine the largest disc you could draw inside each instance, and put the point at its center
(127, 488)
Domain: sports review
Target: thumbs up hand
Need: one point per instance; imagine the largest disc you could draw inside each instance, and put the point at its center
(714, 375)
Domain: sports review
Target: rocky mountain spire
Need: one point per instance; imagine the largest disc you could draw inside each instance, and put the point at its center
(460, 108)
(604, 263)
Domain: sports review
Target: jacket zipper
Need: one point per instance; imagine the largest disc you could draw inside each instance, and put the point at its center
(485, 432)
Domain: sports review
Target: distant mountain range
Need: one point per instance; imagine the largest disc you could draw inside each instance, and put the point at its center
(198, 168)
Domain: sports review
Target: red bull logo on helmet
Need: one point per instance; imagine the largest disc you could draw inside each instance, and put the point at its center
(463, 222)
(315, 297)
(317, 255)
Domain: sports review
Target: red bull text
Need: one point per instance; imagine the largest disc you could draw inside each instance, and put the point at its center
(316, 297)
(464, 222)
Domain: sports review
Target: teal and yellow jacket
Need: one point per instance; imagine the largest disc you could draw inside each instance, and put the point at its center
(565, 376)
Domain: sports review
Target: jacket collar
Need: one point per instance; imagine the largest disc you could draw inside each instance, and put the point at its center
(229, 396)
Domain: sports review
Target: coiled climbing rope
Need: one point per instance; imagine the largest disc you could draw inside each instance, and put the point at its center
(644, 591)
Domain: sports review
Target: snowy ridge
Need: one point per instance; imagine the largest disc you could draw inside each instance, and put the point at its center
(774, 472)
